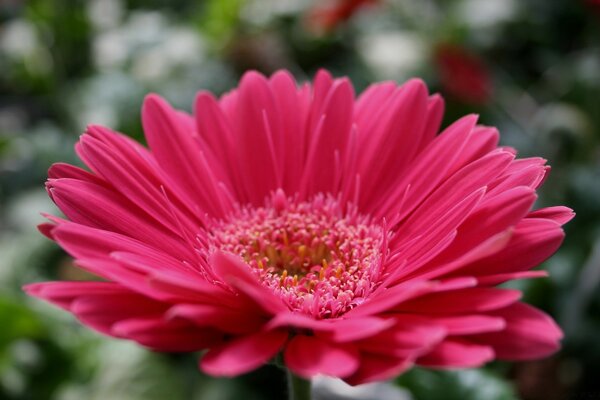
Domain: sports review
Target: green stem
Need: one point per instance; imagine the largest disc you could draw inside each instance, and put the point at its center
(298, 388)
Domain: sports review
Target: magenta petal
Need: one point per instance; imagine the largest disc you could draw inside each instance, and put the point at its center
(470, 324)
(62, 294)
(492, 280)
(243, 354)
(533, 241)
(412, 336)
(225, 319)
(62, 170)
(308, 356)
(529, 334)
(559, 214)
(336, 330)
(170, 336)
(377, 367)
(462, 301)
(457, 353)
(99, 305)
(235, 272)
(385, 299)
(352, 329)
(429, 168)
(171, 142)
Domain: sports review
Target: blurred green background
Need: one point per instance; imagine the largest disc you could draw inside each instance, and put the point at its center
(529, 67)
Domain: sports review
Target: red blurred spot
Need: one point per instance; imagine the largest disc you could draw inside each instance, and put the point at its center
(326, 16)
(463, 74)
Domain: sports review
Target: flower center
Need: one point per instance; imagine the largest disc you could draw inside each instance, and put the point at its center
(317, 258)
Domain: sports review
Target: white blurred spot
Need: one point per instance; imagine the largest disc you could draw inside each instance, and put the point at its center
(393, 55)
(109, 50)
(105, 14)
(482, 14)
(325, 388)
(18, 39)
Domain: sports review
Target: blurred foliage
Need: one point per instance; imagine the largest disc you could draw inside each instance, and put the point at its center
(65, 64)
(456, 385)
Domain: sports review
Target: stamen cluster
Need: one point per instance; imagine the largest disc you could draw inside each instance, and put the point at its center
(319, 259)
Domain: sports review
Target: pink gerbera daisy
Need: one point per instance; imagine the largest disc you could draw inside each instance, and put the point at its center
(344, 233)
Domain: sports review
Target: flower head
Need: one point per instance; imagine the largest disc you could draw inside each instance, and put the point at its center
(344, 232)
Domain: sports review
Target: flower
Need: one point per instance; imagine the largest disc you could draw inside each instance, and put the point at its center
(463, 74)
(343, 232)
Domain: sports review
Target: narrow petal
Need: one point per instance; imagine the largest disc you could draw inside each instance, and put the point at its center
(179, 155)
(461, 301)
(257, 128)
(427, 170)
(308, 356)
(99, 207)
(529, 334)
(391, 143)
(410, 337)
(335, 330)
(470, 324)
(166, 335)
(378, 367)
(243, 354)
(559, 214)
(533, 241)
(225, 319)
(457, 353)
(236, 273)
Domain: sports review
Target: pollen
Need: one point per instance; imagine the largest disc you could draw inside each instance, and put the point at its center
(319, 258)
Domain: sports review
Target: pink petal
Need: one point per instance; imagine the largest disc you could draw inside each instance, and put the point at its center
(559, 214)
(370, 102)
(411, 337)
(83, 242)
(461, 301)
(470, 324)
(105, 305)
(385, 299)
(293, 119)
(307, 356)
(433, 120)
(493, 280)
(491, 220)
(393, 140)
(257, 128)
(135, 175)
(457, 353)
(331, 135)
(483, 140)
(419, 250)
(180, 156)
(377, 367)
(427, 170)
(63, 293)
(62, 170)
(169, 336)
(225, 319)
(533, 241)
(235, 272)
(335, 330)
(529, 334)
(96, 206)
(243, 354)
(470, 178)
